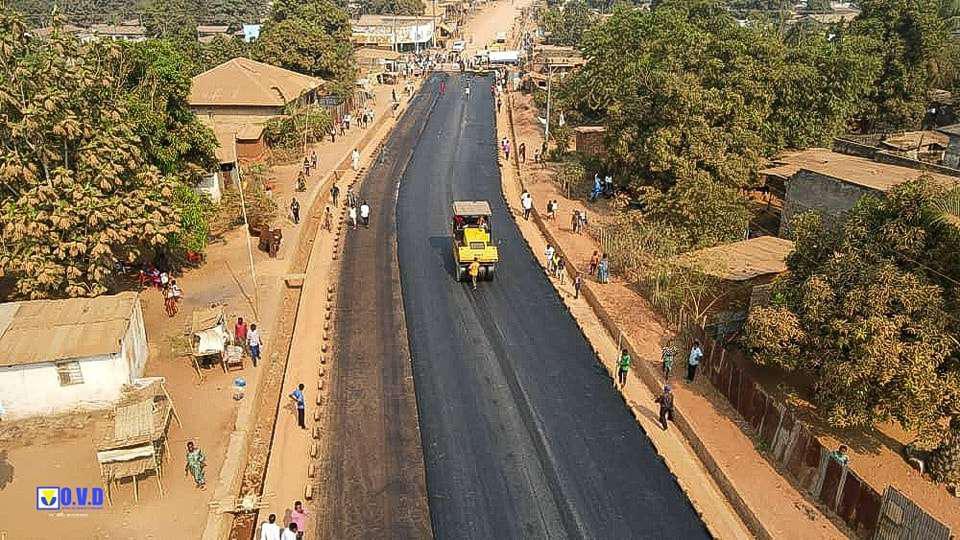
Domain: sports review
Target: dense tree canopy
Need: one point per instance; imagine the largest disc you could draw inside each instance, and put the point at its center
(393, 7)
(311, 37)
(913, 41)
(86, 12)
(869, 310)
(79, 191)
(566, 24)
(693, 102)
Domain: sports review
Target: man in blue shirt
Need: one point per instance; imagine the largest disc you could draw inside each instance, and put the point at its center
(297, 395)
(694, 360)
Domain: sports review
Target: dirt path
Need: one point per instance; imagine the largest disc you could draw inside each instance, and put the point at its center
(371, 483)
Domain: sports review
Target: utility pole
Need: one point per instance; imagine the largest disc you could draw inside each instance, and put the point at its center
(549, 81)
(246, 224)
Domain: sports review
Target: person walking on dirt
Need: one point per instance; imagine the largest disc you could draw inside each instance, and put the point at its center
(328, 218)
(548, 258)
(313, 159)
(334, 194)
(623, 366)
(298, 517)
(577, 285)
(666, 406)
(269, 530)
(353, 217)
(365, 214)
(474, 271)
(295, 211)
(240, 333)
(603, 269)
(355, 159)
(561, 269)
(196, 463)
(301, 182)
(693, 361)
(253, 343)
(499, 104)
(594, 263)
(666, 357)
(297, 396)
(526, 202)
(522, 152)
(306, 165)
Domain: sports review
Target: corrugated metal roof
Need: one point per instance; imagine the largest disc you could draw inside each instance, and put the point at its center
(850, 169)
(740, 261)
(52, 330)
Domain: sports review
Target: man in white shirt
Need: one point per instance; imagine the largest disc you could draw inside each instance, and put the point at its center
(253, 344)
(353, 217)
(269, 530)
(527, 204)
(355, 159)
(694, 360)
(290, 533)
(365, 214)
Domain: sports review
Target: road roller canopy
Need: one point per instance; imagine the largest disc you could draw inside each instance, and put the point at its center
(471, 208)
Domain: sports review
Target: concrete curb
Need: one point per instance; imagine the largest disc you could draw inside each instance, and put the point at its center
(646, 372)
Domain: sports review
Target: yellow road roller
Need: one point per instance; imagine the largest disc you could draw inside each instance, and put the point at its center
(473, 239)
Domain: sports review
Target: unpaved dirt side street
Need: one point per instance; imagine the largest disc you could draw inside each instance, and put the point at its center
(523, 435)
(372, 482)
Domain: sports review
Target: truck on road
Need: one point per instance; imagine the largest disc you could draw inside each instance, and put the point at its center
(473, 240)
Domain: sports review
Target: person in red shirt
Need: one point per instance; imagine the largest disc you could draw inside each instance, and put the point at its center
(240, 333)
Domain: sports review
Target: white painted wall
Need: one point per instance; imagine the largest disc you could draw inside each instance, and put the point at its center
(34, 389)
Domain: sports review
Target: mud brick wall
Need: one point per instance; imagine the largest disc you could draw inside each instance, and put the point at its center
(589, 141)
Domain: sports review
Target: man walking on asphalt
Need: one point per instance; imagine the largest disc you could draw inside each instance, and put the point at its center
(666, 406)
(297, 396)
(474, 271)
(253, 343)
(334, 194)
(623, 367)
(693, 361)
(365, 214)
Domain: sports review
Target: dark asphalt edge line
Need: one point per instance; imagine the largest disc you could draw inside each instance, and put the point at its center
(397, 279)
(596, 353)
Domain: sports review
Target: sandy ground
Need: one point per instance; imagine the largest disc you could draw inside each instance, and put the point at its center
(62, 452)
(783, 510)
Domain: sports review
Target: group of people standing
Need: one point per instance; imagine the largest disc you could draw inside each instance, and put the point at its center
(599, 267)
(296, 525)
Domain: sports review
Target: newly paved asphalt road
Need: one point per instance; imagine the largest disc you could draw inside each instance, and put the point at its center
(523, 434)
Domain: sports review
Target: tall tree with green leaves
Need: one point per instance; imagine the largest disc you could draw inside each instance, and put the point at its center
(911, 39)
(311, 37)
(77, 190)
(393, 7)
(868, 309)
(567, 24)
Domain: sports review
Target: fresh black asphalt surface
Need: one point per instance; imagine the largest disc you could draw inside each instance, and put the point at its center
(523, 434)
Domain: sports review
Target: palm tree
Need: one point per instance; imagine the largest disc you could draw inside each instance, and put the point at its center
(946, 210)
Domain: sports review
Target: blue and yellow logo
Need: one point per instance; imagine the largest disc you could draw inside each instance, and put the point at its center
(48, 498)
(69, 498)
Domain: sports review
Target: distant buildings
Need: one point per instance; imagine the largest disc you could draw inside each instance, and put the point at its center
(399, 33)
(119, 32)
(951, 157)
(61, 355)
